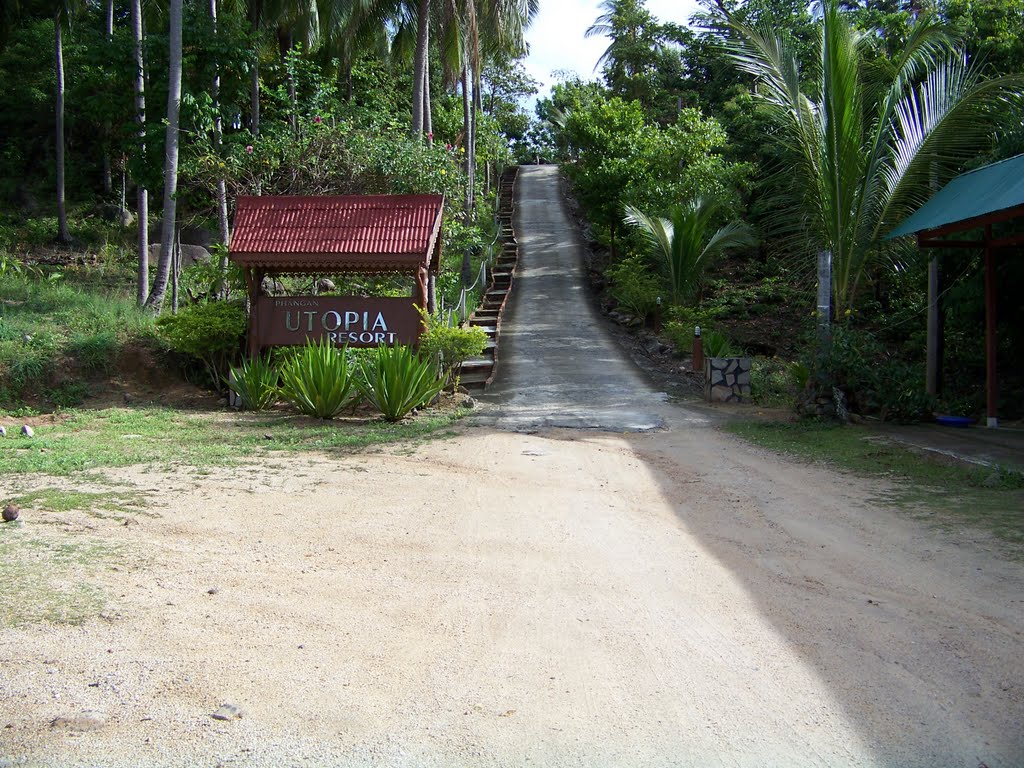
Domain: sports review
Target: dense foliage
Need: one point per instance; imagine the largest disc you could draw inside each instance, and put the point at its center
(818, 127)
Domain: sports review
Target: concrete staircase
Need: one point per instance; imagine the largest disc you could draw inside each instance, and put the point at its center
(478, 372)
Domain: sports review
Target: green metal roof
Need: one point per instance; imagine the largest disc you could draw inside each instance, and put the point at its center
(985, 190)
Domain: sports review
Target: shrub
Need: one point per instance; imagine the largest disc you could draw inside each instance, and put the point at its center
(209, 333)
(873, 380)
(772, 381)
(397, 380)
(452, 345)
(317, 380)
(717, 345)
(634, 286)
(682, 320)
(257, 383)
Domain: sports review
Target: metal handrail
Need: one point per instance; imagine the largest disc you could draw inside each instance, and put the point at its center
(461, 310)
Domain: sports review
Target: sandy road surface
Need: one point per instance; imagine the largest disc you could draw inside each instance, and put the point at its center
(562, 599)
(553, 597)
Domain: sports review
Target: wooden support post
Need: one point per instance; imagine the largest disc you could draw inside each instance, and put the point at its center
(991, 345)
(253, 278)
(933, 364)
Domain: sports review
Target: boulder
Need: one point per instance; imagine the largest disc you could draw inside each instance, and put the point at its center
(272, 287)
(190, 254)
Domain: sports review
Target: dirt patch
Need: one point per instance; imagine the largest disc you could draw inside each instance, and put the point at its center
(566, 598)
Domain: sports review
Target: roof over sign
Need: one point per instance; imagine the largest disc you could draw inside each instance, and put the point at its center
(341, 233)
(972, 195)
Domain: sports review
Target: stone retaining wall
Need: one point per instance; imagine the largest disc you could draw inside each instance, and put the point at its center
(727, 379)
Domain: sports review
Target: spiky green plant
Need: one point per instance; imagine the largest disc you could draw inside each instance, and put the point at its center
(683, 246)
(717, 344)
(866, 148)
(397, 380)
(318, 380)
(256, 382)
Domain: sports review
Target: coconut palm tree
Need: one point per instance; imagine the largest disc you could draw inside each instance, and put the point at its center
(163, 270)
(63, 234)
(142, 194)
(683, 246)
(864, 151)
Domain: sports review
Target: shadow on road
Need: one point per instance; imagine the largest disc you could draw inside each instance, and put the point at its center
(917, 635)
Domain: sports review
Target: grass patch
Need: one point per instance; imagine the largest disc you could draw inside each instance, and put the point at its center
(118, 437)
(948, 494)
(48, 580)
(50, 328)
(95, 503)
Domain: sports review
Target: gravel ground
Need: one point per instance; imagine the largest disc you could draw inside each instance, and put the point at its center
(565, 598)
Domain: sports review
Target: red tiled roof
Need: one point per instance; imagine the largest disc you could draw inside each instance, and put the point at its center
(345, 232)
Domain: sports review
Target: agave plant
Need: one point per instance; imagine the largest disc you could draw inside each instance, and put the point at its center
(683, 246)
(866, 151)
(397, 380)
(256, 383)
(318, 380)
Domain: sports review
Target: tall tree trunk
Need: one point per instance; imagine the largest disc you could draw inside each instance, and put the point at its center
(108, 31)
(142, 200)
(163, 270)
(218, 131)
(420, 67)
(467, 132)
(428, 116)
(288, 42)
(467, 202)
(471, 149)
(256, 13)
(63, 235)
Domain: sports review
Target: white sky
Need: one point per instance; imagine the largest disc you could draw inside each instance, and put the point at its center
(556, 36)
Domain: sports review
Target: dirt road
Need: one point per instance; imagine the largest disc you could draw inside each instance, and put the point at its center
(528, 596)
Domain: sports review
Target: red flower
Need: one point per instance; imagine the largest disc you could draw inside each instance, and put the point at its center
(248, 149)
(317, 120)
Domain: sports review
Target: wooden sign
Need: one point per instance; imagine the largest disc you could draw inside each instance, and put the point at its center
(351, 320)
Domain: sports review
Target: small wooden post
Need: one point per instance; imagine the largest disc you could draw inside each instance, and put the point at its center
(253, 278)
(991, 345)
(933, 364)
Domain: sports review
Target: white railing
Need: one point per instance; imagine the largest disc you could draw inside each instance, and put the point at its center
(462, 310)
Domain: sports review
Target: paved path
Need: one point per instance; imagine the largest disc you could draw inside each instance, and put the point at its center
(558, 367)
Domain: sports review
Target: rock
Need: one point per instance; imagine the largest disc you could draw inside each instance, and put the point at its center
(190, 254)
(227, 712)
(86, 721)
(198, 236)
(11, 512)
(186, 235)
(27, 431)
(3, 431)
(469, 402)
(271, 287)
(115, 213)
(323, 285)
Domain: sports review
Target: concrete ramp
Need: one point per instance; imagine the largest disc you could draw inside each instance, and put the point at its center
(558, 366)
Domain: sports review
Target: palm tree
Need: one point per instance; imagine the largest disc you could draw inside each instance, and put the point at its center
(863, 151)
(142, 196)
(163, 270)
(63, 234)
(629, 59)
(682, 247)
